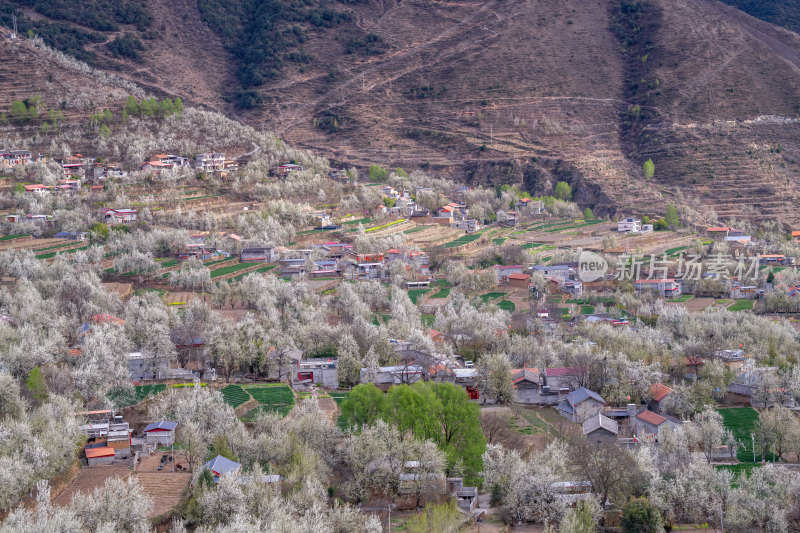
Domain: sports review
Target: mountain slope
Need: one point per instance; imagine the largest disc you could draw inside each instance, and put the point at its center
(502, 91)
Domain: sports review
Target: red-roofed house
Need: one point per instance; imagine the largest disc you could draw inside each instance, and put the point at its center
(437, 337)
(649, 425)
(504, 271)
(519, 281)
(796, 236)
(718, 232)
(658, 391)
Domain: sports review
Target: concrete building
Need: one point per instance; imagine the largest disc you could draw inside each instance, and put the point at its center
(629, 225)
(210, 162)
(322, 372)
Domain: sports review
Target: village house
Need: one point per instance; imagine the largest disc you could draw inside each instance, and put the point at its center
(581, 404)
(629, 225)
(718, 233)
(599, 429)
(283, 171)
(37, 189)
(469, 225)
(526, 382)
(739, 394)
(323, 372)
(219, 466)
(12, 158)
(658, 391)
(119, 216)
(519, 281)
(649, 425)
(258, 255)
(666, 287)
(504, 271)
(732, 359)
(210, 162)
(162, 432)
(386, 376)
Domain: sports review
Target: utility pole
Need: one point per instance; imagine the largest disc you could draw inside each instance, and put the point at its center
(753, 436)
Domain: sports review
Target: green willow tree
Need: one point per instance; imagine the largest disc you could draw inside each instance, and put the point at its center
(649, 169)
(563, 191)
(440, 412)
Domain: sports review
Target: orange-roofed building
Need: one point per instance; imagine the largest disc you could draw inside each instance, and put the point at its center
(100, 456)
(648, 425)
(658, 391)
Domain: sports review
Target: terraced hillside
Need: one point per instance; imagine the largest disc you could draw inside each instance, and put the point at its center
(518, 92)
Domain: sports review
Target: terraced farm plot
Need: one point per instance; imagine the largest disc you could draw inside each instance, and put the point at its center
(229, 269)
(587, 309)
(443, 293)
(256, 271)
(339, 397)
(464, 239)
(271, 394)
(11, 237)
(234, 395)
(498, 241)
(491, 296)
(574, 226)
(278, 398)
(124, 398)
(53, 254)
(415, 230)
(530, 245)
(415, 294)
(742, 305)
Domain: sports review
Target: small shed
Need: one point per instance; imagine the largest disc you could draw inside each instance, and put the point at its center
(100, 456)
(162, 432)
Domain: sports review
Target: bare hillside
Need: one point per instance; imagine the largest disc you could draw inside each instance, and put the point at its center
(528, 92)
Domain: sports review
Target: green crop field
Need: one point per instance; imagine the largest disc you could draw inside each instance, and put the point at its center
(274, 397)
(443, 293)
(464, 239)
(414, 230)
(491, 296)
(530, 245)
(235, 396)
(414, 294)
(256, 271)
(275, 394)
(506, 305)
(229, 269)
(742, 422)
(339, 397)
(499, 241)
(683, 298)
(10, 237)
(742, 305)
(587, 309)
(677, 249)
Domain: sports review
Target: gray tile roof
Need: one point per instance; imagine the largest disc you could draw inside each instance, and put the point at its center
(600, 421)
(579, 395)
(741, 388)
